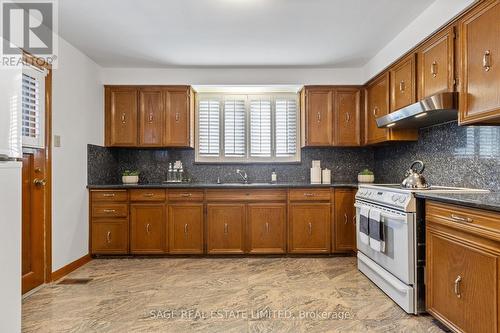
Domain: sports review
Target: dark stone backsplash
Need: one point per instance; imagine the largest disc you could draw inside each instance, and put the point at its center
(454, 156)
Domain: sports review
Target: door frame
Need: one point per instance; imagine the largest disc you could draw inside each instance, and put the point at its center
(47, 227)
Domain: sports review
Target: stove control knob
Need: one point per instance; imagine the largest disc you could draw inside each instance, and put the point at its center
(395, 197)
(402, 199)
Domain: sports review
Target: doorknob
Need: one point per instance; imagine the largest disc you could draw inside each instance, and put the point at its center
(39, 182)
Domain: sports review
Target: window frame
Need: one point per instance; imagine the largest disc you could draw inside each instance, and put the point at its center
(247, 159)
(39, 75)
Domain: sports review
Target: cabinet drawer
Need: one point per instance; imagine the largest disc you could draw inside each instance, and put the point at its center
(247, 195)
(310, 194)
(111, 195)
(110, 210)
(110, 236)
(147, 195)
(185, 195)
(477, 221)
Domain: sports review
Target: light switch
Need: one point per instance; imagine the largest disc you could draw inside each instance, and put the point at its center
(57, 141)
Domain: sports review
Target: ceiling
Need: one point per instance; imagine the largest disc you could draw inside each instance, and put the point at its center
(234, 33)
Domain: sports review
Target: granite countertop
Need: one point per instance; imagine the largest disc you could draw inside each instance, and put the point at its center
(487, 200)
(223, 185)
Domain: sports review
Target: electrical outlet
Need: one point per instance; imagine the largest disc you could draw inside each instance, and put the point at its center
(57, 141)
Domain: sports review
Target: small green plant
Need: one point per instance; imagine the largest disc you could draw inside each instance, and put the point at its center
(366, 172)
(130, 173)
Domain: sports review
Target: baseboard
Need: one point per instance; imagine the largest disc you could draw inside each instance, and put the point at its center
(65, 270)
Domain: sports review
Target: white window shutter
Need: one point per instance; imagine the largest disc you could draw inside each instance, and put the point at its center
(286, 127)
(208, 127)
(260, 128)
(33, 108)
(234, 128)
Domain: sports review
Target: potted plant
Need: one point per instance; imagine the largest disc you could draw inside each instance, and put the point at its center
(130, 177)
(366, 176)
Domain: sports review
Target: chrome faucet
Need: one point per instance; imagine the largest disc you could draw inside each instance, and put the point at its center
(243, 175)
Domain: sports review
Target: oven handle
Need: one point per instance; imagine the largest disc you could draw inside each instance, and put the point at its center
(383, 213)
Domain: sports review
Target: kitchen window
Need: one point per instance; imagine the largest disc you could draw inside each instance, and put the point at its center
(33, 107)
(247, 128)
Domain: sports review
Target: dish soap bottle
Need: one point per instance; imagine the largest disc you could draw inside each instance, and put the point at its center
(274, 177)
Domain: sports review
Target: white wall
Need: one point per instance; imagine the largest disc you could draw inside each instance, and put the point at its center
(77, 116)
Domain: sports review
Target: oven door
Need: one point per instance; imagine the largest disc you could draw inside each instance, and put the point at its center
(399, 255)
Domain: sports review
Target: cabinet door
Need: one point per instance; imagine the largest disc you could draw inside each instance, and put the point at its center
(436, 65)
(347, 117)
(319, 117)
(309, 228)
(147, 229)
(344, 234)
(178, 118)
(377, 105)
(109, 236)
(185, 222)
(151, 107)
(121, 116)
(267, 228)
(480, 67)
(403, 83)
(226, 228)
(462, 283)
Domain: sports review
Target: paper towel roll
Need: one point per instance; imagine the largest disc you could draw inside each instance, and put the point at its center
(316, 164)
(315, 175)
(326, 176)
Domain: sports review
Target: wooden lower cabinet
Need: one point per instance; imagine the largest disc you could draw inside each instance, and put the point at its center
(226, 228)
(344, 233)
(109, 236)
(147, 228)
(266, 231)
(309, 228)
(185, 221)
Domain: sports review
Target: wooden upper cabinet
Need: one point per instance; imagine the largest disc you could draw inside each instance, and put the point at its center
(403, 83)
(436, 64)
(346, 116)
(151, 115)
(480, 65)
(121, 116)
(179, 117)
(318, 120)
(344, 221)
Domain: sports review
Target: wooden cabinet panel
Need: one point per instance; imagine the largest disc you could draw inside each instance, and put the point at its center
(403, 83)
(266, 228)
(185, 195)
(147, 228)
(310, 194)
(151, 114)
(109, 195)
(319, 117)
(178, 118)
(121, 116)
(309, 228)
(480, 65)
(436, 64)
(226, 228)
(347, 117)
(185, 222)
(246, 195)
(109, 210)
(109, 236)
(153, 194)
(344, 234)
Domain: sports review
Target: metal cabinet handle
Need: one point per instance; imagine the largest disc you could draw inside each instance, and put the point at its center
(309, 194)
(186, 195)
(347, 117)
(226, 228)
(345, 218)
(402, 86)
(39, 182)
(149, 195)
(267, 227)
(375, 110)
(318, 117)
(186, 228)
(109, 210)
(148, 228)
(108, 237)
(177, 116)
(150, 117)
(457, 286)
(461, 218)
(487, 60)
(108, 195)
(434, 68)
(310, 227)
(354, 220)
(124, 119)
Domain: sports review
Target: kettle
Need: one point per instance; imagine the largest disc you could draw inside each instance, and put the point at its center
(414, 178)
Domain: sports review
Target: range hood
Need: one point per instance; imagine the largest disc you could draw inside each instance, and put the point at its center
(432, 110)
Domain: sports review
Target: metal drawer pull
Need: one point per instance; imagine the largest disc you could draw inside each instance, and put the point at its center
(309, 194)
(487, 60)
(347, 117)
(354, 219)
(186, 195)
(457, 286)
(108, 195)
(402, 86)
(375, 109)
(149, 195)
(177, 116)
(148, 228)
(108, 237)
(109, 210)
(267, 227)
(461, 218)
(150, 117)
(226, 228)
(123, 118)
(345, 218)
(186, 228)
(318, 117)
(310, 227)
(434, 70)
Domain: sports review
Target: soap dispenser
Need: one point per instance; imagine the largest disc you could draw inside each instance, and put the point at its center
(274, 177)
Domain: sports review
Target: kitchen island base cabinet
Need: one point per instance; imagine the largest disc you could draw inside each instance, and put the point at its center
(147, 228)
(109, 236)
(185, 228)
(309, 228)
(226, 228)
(267, 228)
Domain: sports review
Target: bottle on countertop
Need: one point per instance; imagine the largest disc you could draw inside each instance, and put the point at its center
(274, 177)
(181, 174)
(170, 173)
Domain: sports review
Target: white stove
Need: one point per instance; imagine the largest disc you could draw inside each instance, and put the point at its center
(399, 268)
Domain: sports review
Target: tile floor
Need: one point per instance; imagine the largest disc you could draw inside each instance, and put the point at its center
(315, 294)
